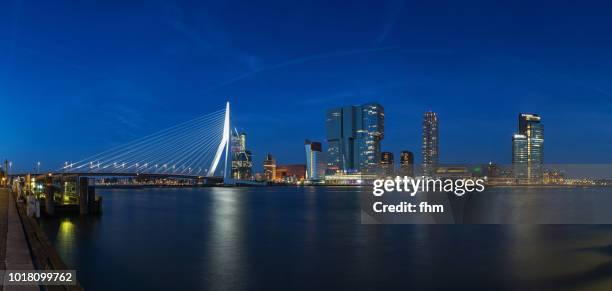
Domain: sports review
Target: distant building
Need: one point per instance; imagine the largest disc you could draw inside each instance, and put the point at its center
(499, 174)
(313, 156)
(242, 141)
(353, 136)
(291, 173)
(493, 170)
(407, 163)
(269, 166)
(553, 177)
(242, 163)
(519, 156)
(430, 148)
(528, 149)
(351, 179)
(452, 171)
(386, 164)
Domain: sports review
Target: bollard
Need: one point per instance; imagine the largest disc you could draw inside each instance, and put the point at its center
(83, 185)
(49, 203)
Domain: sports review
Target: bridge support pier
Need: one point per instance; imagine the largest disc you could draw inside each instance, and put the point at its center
(49, 201)
(91, 198)
(83, 187)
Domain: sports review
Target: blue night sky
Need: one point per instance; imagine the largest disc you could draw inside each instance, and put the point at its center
(78, 77)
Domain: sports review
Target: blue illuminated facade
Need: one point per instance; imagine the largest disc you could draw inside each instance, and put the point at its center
(354, 134)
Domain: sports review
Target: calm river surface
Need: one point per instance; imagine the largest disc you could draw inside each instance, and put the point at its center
(311, 238)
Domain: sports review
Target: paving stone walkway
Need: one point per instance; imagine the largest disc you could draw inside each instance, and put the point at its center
(14, 249)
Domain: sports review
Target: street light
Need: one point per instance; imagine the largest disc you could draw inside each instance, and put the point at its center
(37, 167)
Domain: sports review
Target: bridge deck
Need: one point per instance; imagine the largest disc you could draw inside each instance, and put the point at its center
(95, 174)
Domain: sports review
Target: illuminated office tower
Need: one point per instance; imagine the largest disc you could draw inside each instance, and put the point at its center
(386, 164)
(354, 134)
(407, 163)
(242, 141)
(369, 134)
(528, 149)
(269, 165)
(242, 163)
(313, 155)
(336, 150)
(519, 156)
(430, 148)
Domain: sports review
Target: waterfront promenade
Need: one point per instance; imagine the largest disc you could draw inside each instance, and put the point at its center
(14, 250)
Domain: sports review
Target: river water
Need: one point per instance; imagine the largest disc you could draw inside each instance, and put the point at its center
(311, 238)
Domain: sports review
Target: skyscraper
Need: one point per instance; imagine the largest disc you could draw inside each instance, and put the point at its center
(519, 156)
(242, 141)
(269, 165)
(313, 152)
(528, 149)
(353, 135)
(407, 163)
(242, 163)
(430, 149)
(386, 163)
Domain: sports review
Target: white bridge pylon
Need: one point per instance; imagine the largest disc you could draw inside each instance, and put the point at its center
(224, 146)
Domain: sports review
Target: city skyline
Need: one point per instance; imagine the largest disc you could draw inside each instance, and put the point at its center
(68, 69)
(305, 145)
(243, 158)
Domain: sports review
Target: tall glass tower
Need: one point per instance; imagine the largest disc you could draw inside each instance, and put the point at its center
(242, 164)
(337, 149)
(354, 134)
(430, 149)
(370, 131)
(519, 156)
(528, 149)
(313, 152)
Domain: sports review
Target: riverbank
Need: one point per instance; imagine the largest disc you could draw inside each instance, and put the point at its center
(14, 250)
(25, 247)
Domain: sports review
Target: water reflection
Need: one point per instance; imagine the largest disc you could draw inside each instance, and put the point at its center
(225, 269)
(312, 238)
(66, 239)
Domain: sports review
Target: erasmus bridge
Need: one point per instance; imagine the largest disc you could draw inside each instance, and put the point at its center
(199, 148)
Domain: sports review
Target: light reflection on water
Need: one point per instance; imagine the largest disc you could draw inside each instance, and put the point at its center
(225, 267)
(65, 241)
(311, 238)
